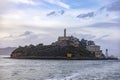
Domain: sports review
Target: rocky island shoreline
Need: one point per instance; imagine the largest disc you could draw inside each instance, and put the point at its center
(66, 47)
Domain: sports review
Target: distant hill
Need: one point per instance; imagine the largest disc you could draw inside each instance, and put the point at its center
(7, 50)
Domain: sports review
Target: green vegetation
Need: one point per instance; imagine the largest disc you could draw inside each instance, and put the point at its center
(50, 51)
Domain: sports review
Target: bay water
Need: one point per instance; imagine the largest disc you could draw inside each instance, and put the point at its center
(36, 69)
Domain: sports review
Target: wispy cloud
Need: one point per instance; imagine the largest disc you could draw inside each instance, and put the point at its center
(105, 24)
(26, 33)
(29, 2)
(114, 6)
(86, 15)
(58, 3)
(56, 13)
(51, 13)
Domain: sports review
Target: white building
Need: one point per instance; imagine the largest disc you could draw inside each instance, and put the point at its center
(95, 49)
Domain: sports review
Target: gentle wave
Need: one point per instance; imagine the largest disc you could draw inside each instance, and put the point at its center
(22, 69)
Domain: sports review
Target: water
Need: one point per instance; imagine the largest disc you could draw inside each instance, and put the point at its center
(26, 69)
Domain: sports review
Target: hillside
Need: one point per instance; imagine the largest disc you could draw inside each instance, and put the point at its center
(50, 52)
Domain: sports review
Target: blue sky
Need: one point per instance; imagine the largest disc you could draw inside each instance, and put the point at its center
(24, 22)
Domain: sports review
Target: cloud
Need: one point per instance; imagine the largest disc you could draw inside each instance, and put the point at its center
(117, 20)
(25, 38)
(7, 5)
(103, 37)
(61, 12)
(3, 6)
(30, 2)
(114, 6)
(86, 15)
(63, 5)
(58, 3)
(51, 13)
(105, 24)
(85, 36)
(55, 13)
(26, 33)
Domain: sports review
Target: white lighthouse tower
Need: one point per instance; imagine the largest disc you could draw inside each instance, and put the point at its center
(106, 53)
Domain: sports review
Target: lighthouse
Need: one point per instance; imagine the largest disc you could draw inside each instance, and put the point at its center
(106, 53)
(65, 32)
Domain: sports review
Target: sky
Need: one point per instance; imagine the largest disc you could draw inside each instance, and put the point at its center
(24, 22)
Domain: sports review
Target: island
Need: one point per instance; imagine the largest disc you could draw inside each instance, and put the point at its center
(66, 47)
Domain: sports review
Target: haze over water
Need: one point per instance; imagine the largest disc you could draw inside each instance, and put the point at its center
(27, 69)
